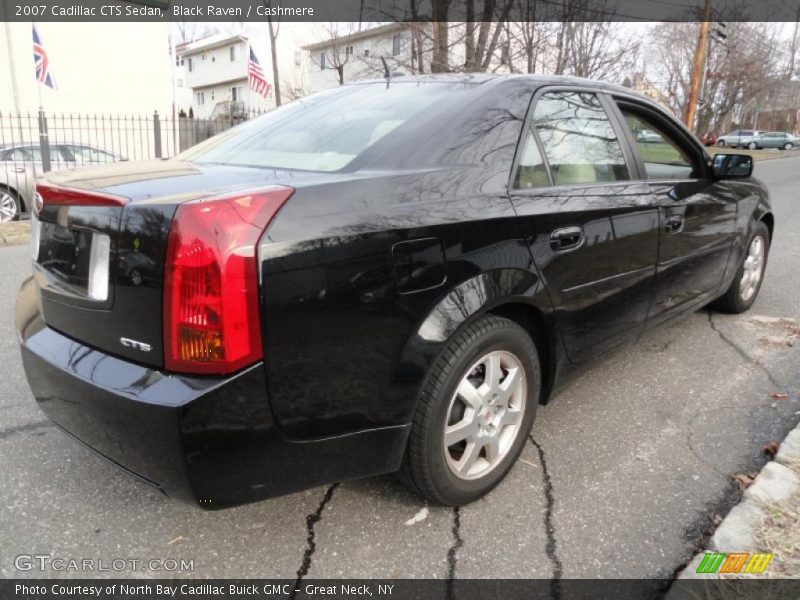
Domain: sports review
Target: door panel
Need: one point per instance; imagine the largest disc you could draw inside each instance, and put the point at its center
(697, 220)
(594, 233)
(691, 261)
(601, 290)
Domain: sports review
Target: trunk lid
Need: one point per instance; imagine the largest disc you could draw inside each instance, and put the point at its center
(102, 238)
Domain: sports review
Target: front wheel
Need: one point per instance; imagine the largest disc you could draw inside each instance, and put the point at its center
(721, 143)
(787, 146)
(752, 145)
(747, 282)
(474, 413)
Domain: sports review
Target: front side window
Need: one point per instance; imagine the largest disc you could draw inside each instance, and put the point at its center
(663, 157)
(396, 44)
(578, 139)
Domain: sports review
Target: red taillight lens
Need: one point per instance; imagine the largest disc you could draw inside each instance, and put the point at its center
(211, 320)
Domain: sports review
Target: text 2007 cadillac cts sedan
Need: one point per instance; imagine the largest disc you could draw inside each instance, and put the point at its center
(386, 277)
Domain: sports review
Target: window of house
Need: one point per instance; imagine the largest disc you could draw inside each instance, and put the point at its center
(397, 41)
(190, 65)
(201, 98)
(204, 55)
(348, 50)
(662, 156)
(212, 95)
(236, 93)
(578, 139)
(298, 59)
(233, 53)
(366, 51)
(322, 61)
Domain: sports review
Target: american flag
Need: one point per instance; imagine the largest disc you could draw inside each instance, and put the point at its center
(257, 82)
(41, 62)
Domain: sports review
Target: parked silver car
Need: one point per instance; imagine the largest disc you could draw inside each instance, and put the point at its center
(21, 163)
(738, 139)
(774, 139)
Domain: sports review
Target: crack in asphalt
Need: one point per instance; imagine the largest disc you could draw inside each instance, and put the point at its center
(28, 427)
(311, 545)
(549, 529)
(452, 557)
(741, 352)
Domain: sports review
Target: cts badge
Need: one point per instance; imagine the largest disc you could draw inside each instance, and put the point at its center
(129, 343)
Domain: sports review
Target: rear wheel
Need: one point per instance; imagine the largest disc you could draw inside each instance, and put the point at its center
(788, 146)
(746, 284)
(9, 205)
(721, 143)
(752, 145)
(475, 411)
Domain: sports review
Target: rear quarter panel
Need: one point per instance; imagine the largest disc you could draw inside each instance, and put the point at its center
(345, 349)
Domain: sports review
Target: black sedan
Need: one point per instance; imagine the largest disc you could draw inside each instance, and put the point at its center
(387, 277)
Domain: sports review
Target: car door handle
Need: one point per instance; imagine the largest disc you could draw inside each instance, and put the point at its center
(674, 224)
(566, 238)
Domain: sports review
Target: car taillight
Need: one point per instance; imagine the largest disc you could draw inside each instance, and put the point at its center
(211, 320)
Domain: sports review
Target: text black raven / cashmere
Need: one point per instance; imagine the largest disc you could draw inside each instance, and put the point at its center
(386, 277)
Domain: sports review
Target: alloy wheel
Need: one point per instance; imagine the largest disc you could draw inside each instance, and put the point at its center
(485, 415)
(753, 268)
(8, 207)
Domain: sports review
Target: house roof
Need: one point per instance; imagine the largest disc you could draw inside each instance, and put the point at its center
(207, 43)
(358, 35)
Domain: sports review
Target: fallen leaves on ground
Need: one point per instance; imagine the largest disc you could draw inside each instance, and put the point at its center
(779, 396)
(743, 480)
(771, 448)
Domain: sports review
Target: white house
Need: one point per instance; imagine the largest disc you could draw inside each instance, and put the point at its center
(357, 54)
(216, 70)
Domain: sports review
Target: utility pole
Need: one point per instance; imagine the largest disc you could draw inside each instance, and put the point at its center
(699, 64)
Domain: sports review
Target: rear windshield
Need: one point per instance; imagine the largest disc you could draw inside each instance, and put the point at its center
(324, 132)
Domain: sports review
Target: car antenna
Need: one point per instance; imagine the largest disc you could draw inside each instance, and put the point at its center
(386, 73)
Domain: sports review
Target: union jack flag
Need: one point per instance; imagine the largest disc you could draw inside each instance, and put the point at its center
(257, 82)
(41, 62)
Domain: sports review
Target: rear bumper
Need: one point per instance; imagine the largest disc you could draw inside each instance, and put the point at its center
(210, 441)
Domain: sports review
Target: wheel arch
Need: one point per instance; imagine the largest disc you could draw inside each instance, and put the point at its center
(514, 293)
(769, 220)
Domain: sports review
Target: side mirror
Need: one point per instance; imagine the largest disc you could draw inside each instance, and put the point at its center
(732, 166)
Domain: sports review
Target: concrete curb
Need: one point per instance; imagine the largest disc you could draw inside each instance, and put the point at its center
(776, 482)
(14, 233)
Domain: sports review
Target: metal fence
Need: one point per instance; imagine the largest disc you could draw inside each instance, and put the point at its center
(35, 143)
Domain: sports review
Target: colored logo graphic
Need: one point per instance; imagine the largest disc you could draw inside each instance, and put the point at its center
(734, 562)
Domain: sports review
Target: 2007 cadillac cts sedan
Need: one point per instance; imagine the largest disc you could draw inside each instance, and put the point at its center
(386, 277)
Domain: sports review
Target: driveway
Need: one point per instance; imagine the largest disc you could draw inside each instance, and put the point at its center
(623, 476)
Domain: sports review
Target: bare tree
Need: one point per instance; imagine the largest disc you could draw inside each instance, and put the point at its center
(336, 54)
(742, 72)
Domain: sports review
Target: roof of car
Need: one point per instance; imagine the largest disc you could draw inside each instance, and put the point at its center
(494, 78)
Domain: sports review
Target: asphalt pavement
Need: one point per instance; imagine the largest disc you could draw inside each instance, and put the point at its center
(623, 475)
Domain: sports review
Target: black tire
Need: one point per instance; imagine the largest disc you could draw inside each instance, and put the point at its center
(425, 469)
(731, 301)
(9, 197)
(721, 143)
(752, 146)
(788, 146)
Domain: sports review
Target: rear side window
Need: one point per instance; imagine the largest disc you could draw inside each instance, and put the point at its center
(662, 156)
(578, 141)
